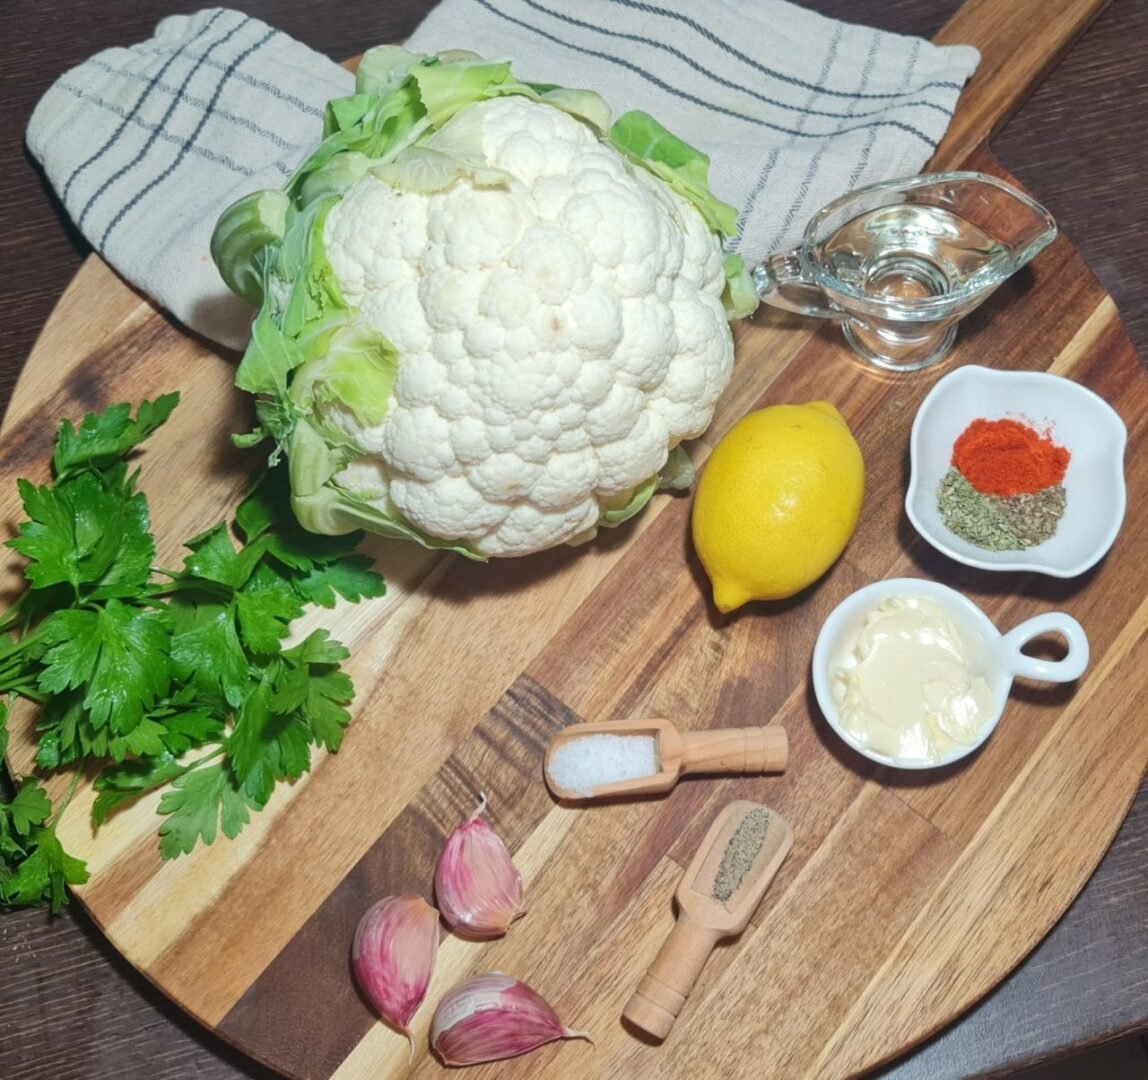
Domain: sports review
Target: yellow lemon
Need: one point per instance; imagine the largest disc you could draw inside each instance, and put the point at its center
(777, 502)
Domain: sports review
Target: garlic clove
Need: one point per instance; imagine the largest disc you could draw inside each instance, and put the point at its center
(476, 884)
(393, 956)
(490, 1017)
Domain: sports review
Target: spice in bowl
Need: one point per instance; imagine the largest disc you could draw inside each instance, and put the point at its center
(1004, 490)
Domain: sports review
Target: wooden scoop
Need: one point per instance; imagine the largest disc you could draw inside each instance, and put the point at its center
(721, 889)
(720, 750)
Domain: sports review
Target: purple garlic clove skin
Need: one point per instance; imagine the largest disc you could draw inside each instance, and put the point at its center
(477, 886)
(490, 1017)
(393, 956)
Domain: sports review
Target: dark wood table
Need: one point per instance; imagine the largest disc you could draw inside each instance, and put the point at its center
(71, 1007)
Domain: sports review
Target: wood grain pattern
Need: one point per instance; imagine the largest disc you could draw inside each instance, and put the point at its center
(924, 896)
(556, 831)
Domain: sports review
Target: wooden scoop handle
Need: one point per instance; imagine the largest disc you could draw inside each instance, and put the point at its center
(655, 1004)
(744, 750)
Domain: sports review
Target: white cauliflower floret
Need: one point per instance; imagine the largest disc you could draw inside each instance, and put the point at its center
(558, 334)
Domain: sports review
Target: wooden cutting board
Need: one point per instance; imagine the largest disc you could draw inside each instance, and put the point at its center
(903, 901)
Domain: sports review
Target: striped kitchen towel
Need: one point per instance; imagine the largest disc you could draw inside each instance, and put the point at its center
(146, 145)
(793, 108)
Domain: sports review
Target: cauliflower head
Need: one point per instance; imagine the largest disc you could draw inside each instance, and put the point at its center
(488, 318)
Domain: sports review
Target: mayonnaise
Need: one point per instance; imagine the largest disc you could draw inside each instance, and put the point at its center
(907, 688)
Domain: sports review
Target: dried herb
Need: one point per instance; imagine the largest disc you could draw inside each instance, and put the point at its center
(741, 852)
(974, 517)
(1034, 517)
(996, 523)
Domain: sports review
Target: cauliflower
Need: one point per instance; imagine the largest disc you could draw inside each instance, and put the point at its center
(487, 317)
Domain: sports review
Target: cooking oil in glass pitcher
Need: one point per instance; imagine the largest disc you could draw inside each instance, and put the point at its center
(909, 252)
(898, 264)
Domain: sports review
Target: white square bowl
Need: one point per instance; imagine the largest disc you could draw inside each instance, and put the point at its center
(1080, 421)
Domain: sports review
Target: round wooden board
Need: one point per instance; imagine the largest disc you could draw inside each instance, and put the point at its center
(904, 899)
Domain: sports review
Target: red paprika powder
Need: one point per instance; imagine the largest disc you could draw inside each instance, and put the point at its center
(1006, 457)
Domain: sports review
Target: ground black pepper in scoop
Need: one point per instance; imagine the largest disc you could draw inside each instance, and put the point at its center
(743, 848)
(718, 893)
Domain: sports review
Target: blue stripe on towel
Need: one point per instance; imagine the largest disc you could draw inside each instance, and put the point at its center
(771, 161)
(815, 164)
(185, 149)
(114, 138)
(729, 83)
(151, 140)
(705, 32)
(199, 151)
(690, 97)
(276, 92)
(244, 122)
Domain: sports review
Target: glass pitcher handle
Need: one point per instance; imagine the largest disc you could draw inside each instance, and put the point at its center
(780, 282)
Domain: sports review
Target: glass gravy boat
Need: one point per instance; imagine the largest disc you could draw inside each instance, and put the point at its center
(899, 263)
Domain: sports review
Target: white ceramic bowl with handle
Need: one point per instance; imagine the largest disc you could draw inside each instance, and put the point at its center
(1079, 420)
(995, 656)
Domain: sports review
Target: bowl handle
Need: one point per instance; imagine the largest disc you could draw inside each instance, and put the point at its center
(1058, 671)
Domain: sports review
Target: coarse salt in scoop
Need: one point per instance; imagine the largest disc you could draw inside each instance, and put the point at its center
(583, 764)
(635, 757)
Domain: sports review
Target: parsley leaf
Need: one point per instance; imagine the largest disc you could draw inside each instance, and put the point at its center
(119, 652)
(265, 607)
(302, 551)
(130, 566)
(94, 531)
(210, 655)
(185, 729)
(34, 868)
(31, 806)
(146, 738)
(253, 747)
(263, 506)
(46, 538)
(129, 781)
(105, 437)
(214, 558)
(325, 707)
(349, 577)
(10, 850)
(317, 648)
(44, 874)
(136, 673)
(199, 804)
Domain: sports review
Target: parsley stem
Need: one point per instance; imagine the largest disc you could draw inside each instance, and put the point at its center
(220, 749)
(16, 679)
(17, 645)
(217, 752)
(200, 585)
(24, 690)
(67, 798)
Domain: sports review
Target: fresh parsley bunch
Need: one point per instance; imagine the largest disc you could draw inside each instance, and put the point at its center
(174, 679)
